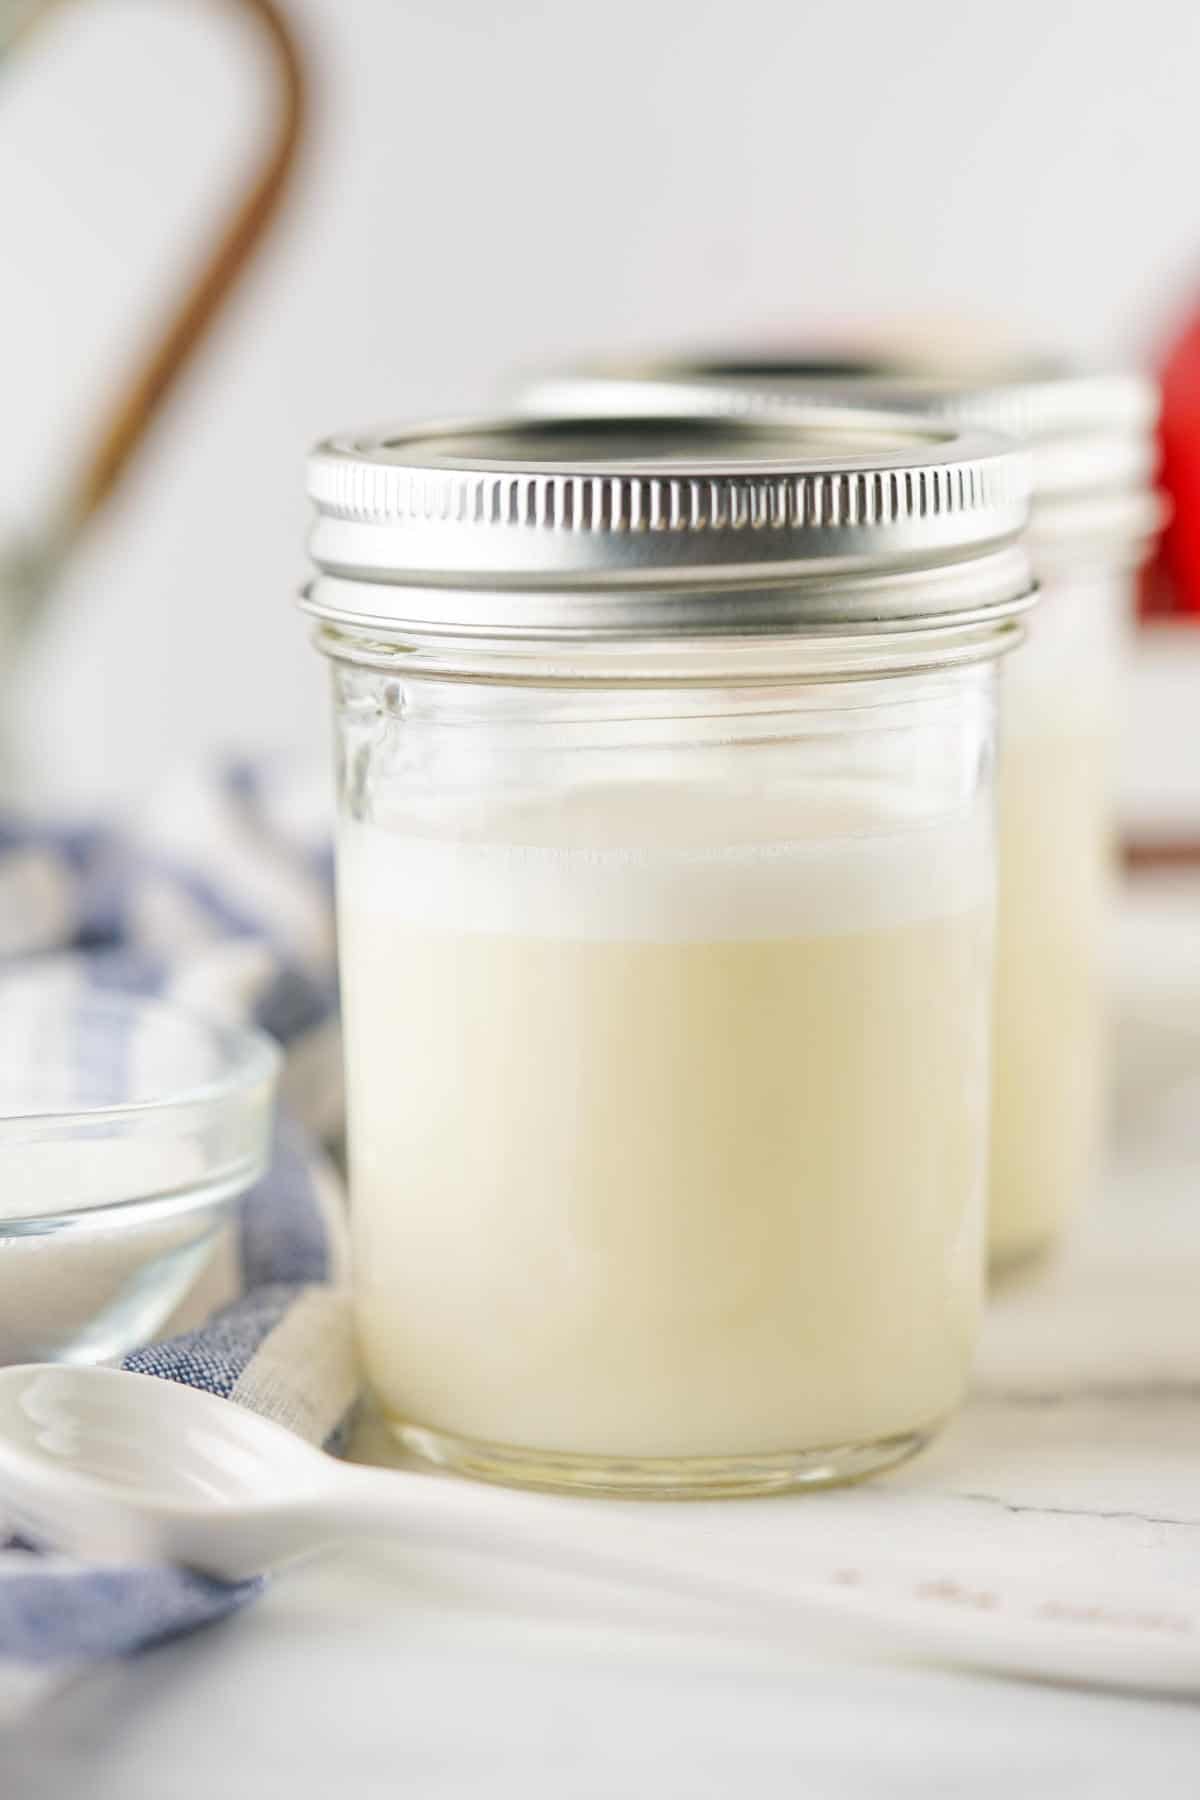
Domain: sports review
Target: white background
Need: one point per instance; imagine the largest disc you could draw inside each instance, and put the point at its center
(494, 185)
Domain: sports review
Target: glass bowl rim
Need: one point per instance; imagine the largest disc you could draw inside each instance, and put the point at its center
(249, 1058)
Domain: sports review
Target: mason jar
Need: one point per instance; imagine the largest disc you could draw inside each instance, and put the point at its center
(665, 897)
(1095, 514)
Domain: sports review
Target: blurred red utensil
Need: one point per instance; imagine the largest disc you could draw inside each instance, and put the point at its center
(1172, 585)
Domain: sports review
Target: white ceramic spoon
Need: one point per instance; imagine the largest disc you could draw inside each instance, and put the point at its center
(129, 1468)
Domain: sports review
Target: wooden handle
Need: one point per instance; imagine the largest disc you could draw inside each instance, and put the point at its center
(1143, 856)
(143, 396)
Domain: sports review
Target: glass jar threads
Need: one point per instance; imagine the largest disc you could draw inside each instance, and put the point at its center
(665, 914)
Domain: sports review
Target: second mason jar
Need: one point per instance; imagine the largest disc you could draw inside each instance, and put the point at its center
(665, 910)
(1094, 516)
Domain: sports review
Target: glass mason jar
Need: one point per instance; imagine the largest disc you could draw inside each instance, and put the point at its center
(665, 919)
(1094, 517)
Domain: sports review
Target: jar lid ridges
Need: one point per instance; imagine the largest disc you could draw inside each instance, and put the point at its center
(623, 504)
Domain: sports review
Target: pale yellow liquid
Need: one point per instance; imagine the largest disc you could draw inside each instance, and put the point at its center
(1055, 872)
(1055, 891)
(668, 1154)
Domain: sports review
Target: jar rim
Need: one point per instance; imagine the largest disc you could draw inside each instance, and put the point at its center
(755, 661)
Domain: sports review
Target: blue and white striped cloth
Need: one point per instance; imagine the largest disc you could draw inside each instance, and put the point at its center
(220, 897)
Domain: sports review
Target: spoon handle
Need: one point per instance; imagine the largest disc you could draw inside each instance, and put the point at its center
(998, 1619)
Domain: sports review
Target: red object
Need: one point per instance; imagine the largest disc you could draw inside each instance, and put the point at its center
(1172, 585)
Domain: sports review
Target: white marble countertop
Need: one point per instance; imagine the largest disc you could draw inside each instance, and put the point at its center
(373, 1673)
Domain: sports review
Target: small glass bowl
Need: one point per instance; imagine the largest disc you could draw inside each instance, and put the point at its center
(127, 1129)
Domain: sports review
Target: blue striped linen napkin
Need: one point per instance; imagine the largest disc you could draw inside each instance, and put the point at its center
(220, 898)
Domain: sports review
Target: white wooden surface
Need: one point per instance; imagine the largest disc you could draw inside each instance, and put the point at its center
(374, 1674)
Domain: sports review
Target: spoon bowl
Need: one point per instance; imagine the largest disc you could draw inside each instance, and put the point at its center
(120, 1467)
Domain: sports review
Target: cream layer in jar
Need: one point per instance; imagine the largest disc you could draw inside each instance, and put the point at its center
(666, 1118)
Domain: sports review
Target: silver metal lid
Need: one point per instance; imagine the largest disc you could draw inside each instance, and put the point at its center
(834, 519)
(1090, 431)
